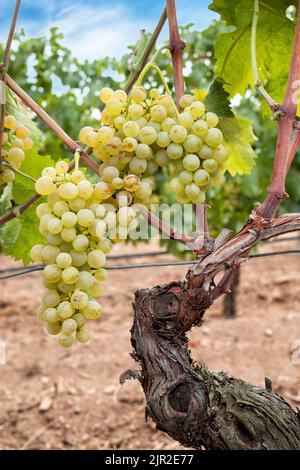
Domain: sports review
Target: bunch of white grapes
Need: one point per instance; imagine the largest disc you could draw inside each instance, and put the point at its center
(144, 131)
(15, 142)
(79, 226)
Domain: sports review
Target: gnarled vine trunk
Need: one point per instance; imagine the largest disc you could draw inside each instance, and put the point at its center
(194, 406)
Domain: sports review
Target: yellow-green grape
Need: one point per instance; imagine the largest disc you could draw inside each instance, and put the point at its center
(214, 137)
(138, 94)
(63, 260)
(131, 183)
(65, 340)
(80, 243)
(82, 335)
(114, 107)
(220, 154)
(212, 119)
(192, 144)
(129, 144)
(186, 120)
(191, 162)
(68, 234)
(85, 280)
(7, 175)
(105, 134)
(210, 165)
(68, 191)
(106, 94)
(52, 273)
(131, 129)
(186, 100)
(80, 320)
(96, 289)
(200, 128)
(65, 310)
(53, 328)
(96, 259)
(83, 134)
(49, 171)
(158, 113)
(119, 122)
(136, 111)
(121, 95)
(154, 93)
(174, 151)
(178, 134)
(147, 135)
(137, 166)
(105, 245)
(4, 138)
(163, 139)
(28, 143)
(92, 139)
(101, 275)
(79, 299)
(51, 315)
(161, 158)
(61, 168)
(70, 275)
(77, 204)
(49, 254)
(77, 176)
(19, 143)
(186, 177)
(69, 326)
(197, 109)
(92, 311)
(78, 258)
(21, 132)
(206, 152)
(10, 122)
(103, 190)
(201, 177)
(15, 156)
(36, 253)
(54, 226)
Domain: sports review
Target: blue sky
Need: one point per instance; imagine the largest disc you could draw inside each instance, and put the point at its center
(94, 28)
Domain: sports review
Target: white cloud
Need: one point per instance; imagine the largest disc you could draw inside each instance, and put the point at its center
(94, 32)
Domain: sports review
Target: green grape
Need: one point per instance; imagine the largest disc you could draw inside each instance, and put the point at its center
(167, 124)
(62, 167)
(16, 157)
(95, 290)
(186, 100)
(103, 190)
(49, 171)
(129, 144)
(54, 226)
(68, 234)
(51, 298)
(201, 177)
(60, 207)
(105, 245)
(49, 254)
(85, 280)
(206, 152)
(131, 129)
(52, 273)
(137, 166)
(152, 168)
(186, 177)
(163, 139)
(77, 204)
(105, 134)
(85, 217)
(114, 107)
(186, 120)
(138, 94)
(191, 162)
(53, 328)
(161, 158)
(79, 318)
(70, 275)
(144, 192)
(65, 310)
(136, 111)
(44, 186)
(119, 122)
(155, 125)
(197, 109)
(192, 144)
(69, 219)
(158, 113)
(53, 240)
(200, 128)
(82, 335)
(92, 311)
(176, 185)
(212, 119)
(36, 253)
(77, 176)
(199, 199)
(65, 341)
(80, 243)
(210, 165)
(63, 260)
(85, 189)
(78, 258)
(101, 228)
(50, 315)
(147, 135)
(68, 191)
(43, 209)
(92, 139)
(220, 154)
(174, 151)
(192, 190)
(69, 326)
(79, 299)
(178, 134)
(143, 151)
(106, 94)
(214, 137)
(142, 122)
(154, 93)
(96, 259)
(101, 275)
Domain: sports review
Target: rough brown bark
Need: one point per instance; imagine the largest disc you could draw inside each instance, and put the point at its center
(230, 299)
(194, 406)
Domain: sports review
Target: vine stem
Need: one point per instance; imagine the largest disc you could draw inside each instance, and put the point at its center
(177, 46)
(3, 68)
(144, 59)
(14, 169)
(257, 82)
(67, 140)
(283, 157)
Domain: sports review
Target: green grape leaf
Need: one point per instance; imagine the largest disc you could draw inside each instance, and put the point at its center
(32, 165)
(24, 116)
(239, 137)
(20, 234)
(275, 36)
(217, 100)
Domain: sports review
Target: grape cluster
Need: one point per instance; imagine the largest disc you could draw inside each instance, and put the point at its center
(76, 226)
(144, 131)
(15, 142)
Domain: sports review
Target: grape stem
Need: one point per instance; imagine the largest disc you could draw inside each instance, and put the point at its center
(257, 82)
(177, 46)
(14, 169)
(144, 59)
(3, 68)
